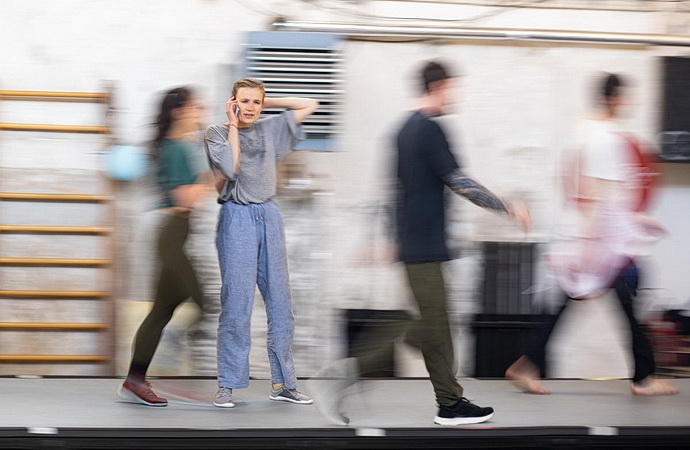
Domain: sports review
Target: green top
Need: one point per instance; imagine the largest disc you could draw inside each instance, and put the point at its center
(174, 169)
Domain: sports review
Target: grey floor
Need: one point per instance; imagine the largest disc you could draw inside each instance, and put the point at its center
(86, 403)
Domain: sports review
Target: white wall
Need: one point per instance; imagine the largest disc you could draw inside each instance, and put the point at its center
(516, 104)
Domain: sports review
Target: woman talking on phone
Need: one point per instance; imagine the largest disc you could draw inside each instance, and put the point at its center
(244, 153)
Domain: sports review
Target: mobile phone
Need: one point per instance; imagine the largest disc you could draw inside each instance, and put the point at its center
(236, 110)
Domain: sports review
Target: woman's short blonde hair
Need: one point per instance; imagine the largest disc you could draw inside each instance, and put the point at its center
(248, 83)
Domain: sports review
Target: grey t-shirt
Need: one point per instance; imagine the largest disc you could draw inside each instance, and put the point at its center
(262, 146)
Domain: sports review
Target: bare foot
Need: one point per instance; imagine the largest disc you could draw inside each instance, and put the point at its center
(525, 377)
(650, 386)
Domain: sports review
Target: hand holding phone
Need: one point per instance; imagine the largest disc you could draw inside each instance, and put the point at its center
(232, 110)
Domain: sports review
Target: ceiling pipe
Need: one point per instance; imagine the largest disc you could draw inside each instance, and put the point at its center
(427, 32)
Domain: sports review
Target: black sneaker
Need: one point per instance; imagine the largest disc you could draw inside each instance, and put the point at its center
(462, 413)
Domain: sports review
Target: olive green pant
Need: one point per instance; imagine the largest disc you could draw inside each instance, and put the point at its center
(177, 282)
(430, 333)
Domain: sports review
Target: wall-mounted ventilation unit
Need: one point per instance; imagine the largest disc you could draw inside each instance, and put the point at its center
(302, 65)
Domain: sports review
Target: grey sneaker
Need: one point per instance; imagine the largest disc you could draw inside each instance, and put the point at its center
(290, 395)
(223, 398)
(328, 387)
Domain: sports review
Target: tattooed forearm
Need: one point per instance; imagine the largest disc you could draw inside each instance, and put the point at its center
(463, 185)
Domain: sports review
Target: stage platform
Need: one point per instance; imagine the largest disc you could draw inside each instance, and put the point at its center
(395, 413)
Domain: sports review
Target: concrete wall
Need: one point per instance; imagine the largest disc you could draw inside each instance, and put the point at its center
(517, 103)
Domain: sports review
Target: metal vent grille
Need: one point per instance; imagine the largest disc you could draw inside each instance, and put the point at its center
(302, 65)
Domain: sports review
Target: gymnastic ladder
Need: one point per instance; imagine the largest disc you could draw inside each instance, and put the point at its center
(16, 336)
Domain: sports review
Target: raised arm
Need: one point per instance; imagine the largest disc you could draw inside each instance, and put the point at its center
(302, 107)
(223, 148)
(233, 133)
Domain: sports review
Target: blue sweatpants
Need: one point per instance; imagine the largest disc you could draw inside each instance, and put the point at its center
(251, 251)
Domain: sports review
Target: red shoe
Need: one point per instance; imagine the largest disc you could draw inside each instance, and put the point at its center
(140, 393)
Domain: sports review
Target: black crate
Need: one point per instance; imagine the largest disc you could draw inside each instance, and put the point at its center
(508, 274)
(371, 328)
(500, 339)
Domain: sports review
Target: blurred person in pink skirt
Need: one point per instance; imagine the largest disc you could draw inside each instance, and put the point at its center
(607, 189)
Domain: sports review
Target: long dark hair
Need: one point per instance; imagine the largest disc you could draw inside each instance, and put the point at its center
(173, 99)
